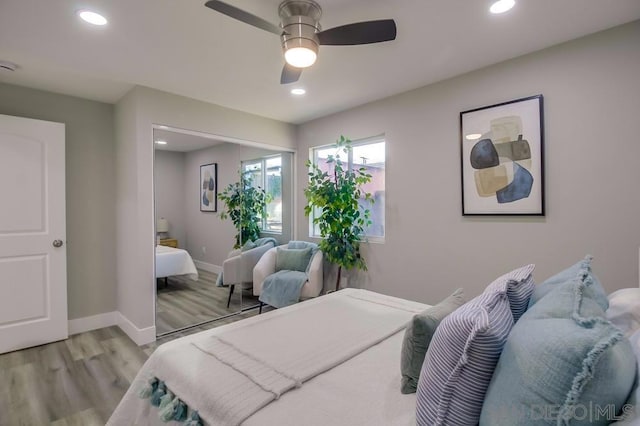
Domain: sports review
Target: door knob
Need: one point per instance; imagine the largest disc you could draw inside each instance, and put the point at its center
(57, 243)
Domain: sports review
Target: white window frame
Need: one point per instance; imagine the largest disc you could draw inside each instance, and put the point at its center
(367, 141)
(263, 184)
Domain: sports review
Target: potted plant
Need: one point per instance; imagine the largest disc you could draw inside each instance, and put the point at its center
(246, 205)
(335, 195)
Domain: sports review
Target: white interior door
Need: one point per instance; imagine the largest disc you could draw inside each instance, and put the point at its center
(33, 265)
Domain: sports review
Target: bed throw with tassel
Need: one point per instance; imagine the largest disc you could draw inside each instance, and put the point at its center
(228, 376)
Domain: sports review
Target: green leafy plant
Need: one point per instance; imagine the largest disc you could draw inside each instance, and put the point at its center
(342, 221)
(245, 205)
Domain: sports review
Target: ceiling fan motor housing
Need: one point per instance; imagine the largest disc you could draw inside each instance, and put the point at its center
(300, 23)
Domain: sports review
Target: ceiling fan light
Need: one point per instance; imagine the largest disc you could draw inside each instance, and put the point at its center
(93, 18)
(502, 6)
(300, 57)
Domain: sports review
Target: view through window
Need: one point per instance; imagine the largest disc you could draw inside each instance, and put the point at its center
(370, 155)
(266, 173)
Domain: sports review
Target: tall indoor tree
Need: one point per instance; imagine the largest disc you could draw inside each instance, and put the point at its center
(333, 198)
(246, 205)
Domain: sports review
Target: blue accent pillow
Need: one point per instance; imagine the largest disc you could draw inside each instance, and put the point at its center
(463, 354)
(248, 246)
(293, 259)
(563, 363)
(570, 274)
(417, 338)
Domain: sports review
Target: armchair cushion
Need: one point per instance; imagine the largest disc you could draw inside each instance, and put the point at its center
(267, 266)
(249, 245)
(238, 268)
(293, 259)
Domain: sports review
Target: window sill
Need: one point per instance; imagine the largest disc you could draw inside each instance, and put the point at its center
(373, 240)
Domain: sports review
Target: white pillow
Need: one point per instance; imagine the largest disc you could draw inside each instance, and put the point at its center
(624, 310)
(632, 418)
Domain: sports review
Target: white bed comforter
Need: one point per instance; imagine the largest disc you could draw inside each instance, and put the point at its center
(171, 261)
(235, 373)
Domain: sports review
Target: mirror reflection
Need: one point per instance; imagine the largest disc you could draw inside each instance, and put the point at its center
(219, 206)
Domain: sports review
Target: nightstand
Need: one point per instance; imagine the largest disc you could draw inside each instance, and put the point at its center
(169, 242)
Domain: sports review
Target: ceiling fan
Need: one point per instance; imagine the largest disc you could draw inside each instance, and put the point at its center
(301, 34)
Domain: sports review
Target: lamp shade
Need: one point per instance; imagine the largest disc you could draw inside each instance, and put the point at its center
(162, 225)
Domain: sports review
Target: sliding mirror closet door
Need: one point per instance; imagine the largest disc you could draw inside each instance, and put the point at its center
(194, 242)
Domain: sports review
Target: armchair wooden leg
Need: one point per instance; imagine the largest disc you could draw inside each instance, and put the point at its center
(260, 309)
(231, 287)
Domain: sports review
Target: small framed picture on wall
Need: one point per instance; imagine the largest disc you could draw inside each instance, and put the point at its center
(502, 158)
(209, 187)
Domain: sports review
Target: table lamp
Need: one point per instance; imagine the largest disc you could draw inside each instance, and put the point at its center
(162, 228)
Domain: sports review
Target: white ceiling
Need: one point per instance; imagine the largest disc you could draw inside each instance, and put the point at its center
(182, 142)
(184, 48)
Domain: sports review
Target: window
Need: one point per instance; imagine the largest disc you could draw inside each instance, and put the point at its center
(367, 153)
(267, 173)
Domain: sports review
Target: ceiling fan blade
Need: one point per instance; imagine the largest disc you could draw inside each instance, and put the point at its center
(290, 74)
(241, 15)
(359, 33)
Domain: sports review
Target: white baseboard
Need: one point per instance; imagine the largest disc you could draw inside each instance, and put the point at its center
(209, 267)
(141, 336)
(94, 322)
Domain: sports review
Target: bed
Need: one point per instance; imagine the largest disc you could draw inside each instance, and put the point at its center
(335, 360)
(172, 261)
(330, 378)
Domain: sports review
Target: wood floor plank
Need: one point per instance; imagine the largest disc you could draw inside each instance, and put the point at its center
(62, 394)
(125, 356)
(103, 384)
(89, 417)
(108, 333)
(183, 302)
(84, 345)
(22, 401)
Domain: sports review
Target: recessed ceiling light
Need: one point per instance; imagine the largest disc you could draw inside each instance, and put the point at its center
(161, 142)
(298, 92)
(502, 6)
(92, 17)
(473, 136)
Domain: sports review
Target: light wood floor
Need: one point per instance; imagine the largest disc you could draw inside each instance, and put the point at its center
(183, 302)
(78, 381)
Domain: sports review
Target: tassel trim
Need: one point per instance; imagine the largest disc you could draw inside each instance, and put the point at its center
(171, 408)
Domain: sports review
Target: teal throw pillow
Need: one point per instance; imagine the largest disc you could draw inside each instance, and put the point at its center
(418, 335)
(293, 259)
(563, 364)
(571, 273)
(248, 246)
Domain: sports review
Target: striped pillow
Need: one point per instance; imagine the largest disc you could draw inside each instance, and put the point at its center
(464, 352)
(519, 286)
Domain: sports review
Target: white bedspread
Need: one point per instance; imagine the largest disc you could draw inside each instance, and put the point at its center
(171, 261)
(296, 344)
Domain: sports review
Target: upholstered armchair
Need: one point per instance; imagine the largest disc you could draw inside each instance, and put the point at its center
(266, 266)
(238, 268)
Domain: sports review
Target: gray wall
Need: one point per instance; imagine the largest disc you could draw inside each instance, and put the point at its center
(90, 187)
(206, 229)
(592, 104)
(169, 191)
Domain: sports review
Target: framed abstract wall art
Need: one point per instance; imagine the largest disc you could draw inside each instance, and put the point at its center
(503, 158)
(209, 187)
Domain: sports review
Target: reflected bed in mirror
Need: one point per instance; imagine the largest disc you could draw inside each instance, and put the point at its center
(191, 174)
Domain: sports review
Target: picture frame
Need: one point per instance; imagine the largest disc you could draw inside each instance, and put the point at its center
(502, 158)
(209, 187)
